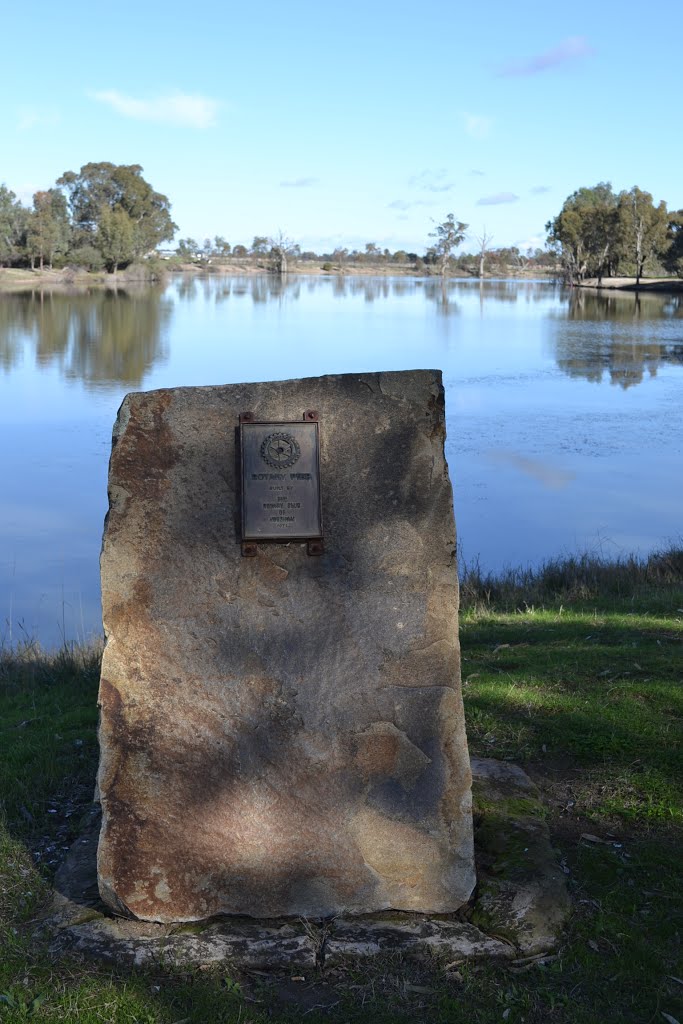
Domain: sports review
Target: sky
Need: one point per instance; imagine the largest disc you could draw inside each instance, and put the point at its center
(346, 123)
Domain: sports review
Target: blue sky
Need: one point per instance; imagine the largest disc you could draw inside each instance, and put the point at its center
(341, 124)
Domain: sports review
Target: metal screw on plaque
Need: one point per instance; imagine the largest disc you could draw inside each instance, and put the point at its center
(247, 417)
(315, 547)
(249, 550)
(311, 415)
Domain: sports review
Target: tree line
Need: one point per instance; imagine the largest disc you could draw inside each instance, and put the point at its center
(600, 233)
(269, 252)
(106, 216)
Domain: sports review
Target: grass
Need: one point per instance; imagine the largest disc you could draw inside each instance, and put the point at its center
(574, 671)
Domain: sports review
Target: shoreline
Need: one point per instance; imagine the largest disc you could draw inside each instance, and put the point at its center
(659, 285)
(78, 280)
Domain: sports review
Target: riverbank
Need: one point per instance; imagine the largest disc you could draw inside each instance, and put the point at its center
(70, 280)
(572, 671)
(629, 284)
(76, 279)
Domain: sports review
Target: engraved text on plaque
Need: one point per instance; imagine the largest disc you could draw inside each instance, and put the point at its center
(280, 481)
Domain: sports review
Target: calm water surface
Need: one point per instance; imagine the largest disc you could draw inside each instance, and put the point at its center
(563, 410)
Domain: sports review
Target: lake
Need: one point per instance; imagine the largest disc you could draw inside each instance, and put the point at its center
(564, 411)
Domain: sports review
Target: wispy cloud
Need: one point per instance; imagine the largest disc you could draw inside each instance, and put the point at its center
(571, 49)
(188, 111)
(408, 204)
(497, 199)
(538, 190)
(477, 174)
(431, 180)
(477, 126)
(299, 182)
(36, 117)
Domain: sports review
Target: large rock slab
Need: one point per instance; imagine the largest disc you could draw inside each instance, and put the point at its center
(283, 734)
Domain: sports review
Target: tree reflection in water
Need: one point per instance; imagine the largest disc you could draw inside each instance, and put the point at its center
(116, 337)
(609, 336)
(102, 337)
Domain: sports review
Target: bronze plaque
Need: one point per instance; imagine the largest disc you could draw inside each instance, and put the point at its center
(280, 481)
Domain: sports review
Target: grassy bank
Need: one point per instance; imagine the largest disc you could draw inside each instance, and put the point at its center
(574, 672)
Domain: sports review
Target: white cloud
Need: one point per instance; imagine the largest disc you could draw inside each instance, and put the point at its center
(497, 199)
(188, 111)
(431, 180)
(408, 204)
(477, 126)
(299, 183)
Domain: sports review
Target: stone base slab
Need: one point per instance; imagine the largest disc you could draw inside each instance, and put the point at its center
(519, 911)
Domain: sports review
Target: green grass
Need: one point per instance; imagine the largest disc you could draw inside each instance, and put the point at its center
(575, 672)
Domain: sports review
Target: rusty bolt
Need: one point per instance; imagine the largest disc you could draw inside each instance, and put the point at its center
(249, 550)
(311, 414)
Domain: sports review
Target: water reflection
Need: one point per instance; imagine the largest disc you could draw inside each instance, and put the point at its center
(620, 335)
(540, 464)
(118, 337)
(444, 294)
(100, 338)
(624, 307)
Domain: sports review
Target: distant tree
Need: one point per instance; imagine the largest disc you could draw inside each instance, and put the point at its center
(48, 229)
(372, 252)
(240, 251)
(340, 256)
(587, 232)
(101, 187)
(484, 246)
(187, 248)
(260, 245)
(221, 246)
(644, 227)
(673, 258)
(13, 225)
(282, 250)
(449, 234)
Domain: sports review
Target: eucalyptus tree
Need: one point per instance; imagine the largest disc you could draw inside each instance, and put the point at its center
(100, 189)
(643, 226)
(259, 246)
(673, 258)
(484, 241)
(187, 248)
(48, 230)
(221, 246)
(449, 234)
(13, 225)
(115, 238)
(282, 250)
(586, 233)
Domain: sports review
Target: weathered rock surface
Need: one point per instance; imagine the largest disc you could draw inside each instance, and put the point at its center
(283, 735)
(525, 906)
